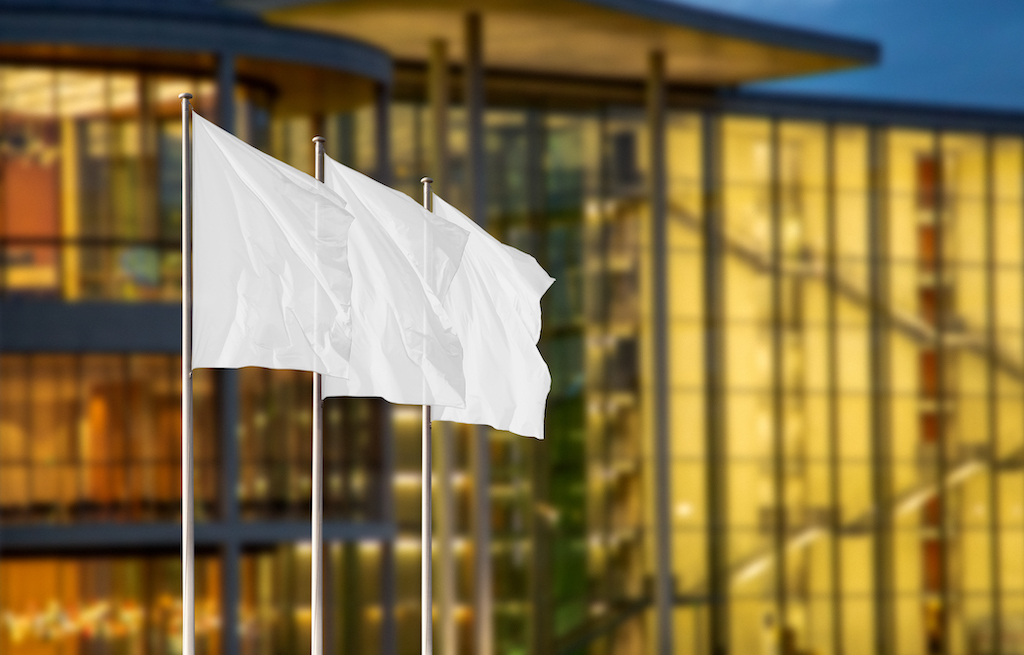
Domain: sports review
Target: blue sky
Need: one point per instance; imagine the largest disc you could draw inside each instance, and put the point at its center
(965, 53)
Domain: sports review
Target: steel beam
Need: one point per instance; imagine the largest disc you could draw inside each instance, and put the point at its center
(125, 536)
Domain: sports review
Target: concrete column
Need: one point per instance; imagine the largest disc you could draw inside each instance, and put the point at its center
(541, 528)
(714, 382)
(483, 606)
(231, 552)
(438, 87)
(473, 73)
(445, 572)
(226, 91)
(946, 612)
(778, 364)
(879, 374)
(996, 580)
(382, 138)
(388, 573)
(664, 589)
(834, 427)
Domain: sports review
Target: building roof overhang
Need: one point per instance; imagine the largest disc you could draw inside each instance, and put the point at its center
(592, 38)
(301, 67)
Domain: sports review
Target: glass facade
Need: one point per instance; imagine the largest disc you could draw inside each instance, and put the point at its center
(102, 604)
(860, 427)
(98, 437)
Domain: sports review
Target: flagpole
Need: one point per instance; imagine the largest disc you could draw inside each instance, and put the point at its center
(188, 550)
(317, 555)
(426, 559)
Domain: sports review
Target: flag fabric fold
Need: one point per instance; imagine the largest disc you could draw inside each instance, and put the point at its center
(432, 245)
(272, 284)
(402, 259)
(493, 301)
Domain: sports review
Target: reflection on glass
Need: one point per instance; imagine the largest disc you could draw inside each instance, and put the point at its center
(98, 437)
(90, 180)
(276, 451)
(128, 605)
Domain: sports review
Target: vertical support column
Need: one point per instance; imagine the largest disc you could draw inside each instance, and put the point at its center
(879, 376)
(473, 72)
(941, 407)
(540, 527)
(382, 137)
(228, 384)
(388, 574)
(475, 166)
(778, 395)
(388, 592)
(231, 553)
(226, 90)
(714, 380)
(445, 543)
(664, 589)
(438, 88)
(992, 336)
(832, 329)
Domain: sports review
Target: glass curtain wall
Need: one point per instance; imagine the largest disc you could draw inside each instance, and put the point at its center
(101, 604)
(830, 424)
(90, 176)
(872, 357)
(98, 438)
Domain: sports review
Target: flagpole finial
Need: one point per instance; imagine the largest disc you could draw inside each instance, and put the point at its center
(184, 96)
(428, 193)
(319, 139)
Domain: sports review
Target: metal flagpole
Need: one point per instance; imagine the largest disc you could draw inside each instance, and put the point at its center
(188, 549)
(426, 555)
(317, 555)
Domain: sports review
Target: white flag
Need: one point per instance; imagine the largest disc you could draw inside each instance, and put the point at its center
(494, 303)
(272, 286)
(403, 259)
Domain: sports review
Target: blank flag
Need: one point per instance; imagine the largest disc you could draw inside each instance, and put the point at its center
(494, 303)
(403, 259)
(272, 285)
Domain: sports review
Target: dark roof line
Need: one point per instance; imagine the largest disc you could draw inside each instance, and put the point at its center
(862, 51)
(866, 52)
(205, 9)
(184, 26)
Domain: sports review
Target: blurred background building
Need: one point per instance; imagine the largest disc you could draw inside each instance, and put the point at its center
(786, 340)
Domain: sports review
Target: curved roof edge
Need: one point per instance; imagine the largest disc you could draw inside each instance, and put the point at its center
(725, 24)
(739, 27)
(186, 28)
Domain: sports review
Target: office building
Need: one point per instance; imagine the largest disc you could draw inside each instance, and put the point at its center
(786, 340)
